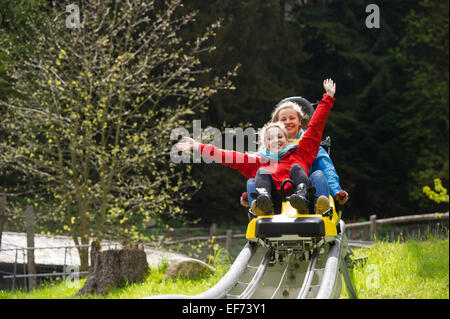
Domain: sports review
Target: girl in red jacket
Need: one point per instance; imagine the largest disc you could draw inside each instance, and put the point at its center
(284, 161)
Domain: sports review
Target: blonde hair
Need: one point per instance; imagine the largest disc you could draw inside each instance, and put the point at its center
(262, 132)
(289, 105)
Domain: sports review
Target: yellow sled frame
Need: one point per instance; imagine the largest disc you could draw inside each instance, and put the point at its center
(291, 213)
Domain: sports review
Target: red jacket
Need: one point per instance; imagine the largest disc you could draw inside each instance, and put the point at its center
(304, 154)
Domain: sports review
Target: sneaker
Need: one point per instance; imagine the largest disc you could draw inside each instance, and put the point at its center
(256, 210)
(264, 204)
(322, 205)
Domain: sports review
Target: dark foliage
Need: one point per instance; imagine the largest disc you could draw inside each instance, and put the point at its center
(390, 125)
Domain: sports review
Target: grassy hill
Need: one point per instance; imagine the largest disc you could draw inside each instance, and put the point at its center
(151, 286)
(403, 270)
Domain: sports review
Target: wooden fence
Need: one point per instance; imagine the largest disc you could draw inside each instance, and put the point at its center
(374, 222)
(212, 236)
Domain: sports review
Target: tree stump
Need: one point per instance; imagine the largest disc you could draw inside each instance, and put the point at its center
(113, 268)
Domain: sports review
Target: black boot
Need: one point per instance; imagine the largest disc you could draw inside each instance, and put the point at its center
(311, 197)
(299, 200)
(263, 202)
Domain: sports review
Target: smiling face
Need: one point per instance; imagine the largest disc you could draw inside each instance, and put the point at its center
(275, 140)
(289, 117)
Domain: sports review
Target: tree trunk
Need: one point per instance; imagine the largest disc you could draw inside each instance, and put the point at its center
(113, 268)
(29, 217)
(84, 239)
(84, 258)
(2, 215)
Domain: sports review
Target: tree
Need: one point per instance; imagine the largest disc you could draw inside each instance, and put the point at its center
(254, 34)
(375, 142)
(424, 54)
(389, 127)
(98, 97)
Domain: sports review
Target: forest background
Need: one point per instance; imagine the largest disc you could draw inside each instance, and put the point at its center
(389, 129)
(390, 124)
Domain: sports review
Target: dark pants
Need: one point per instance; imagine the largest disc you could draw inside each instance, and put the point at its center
(317, 179)
(264, 180)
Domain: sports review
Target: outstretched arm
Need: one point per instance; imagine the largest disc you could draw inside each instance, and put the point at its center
(187, 144)
(245, 164)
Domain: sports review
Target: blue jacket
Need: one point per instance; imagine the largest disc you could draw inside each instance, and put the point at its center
(323, 162)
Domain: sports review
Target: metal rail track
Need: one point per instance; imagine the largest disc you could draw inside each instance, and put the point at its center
(252, 275)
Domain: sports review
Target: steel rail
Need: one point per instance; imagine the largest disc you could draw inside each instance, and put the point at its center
(306, 286)
(256, 280)
(328, 279)
(226, 283)
(335, 267)
(282, 277)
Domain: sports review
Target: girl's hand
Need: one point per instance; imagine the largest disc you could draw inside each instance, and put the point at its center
(187, 144)
(330, 87)
(342, 197)
(244, 199)
(244, 202)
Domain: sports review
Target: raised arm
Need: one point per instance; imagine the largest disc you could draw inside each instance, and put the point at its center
(310, 142)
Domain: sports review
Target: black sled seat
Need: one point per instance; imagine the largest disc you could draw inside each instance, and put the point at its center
(301, 226)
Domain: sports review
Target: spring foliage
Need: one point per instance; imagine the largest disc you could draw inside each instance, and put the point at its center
(439, 194)
(89, 125)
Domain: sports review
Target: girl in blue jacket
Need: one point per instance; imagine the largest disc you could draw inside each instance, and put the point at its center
(295, 113)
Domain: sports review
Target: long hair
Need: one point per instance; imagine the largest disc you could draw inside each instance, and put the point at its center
(300, 105)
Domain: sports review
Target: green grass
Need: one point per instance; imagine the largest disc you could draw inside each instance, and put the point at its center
(403, 270)
(153, 285)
